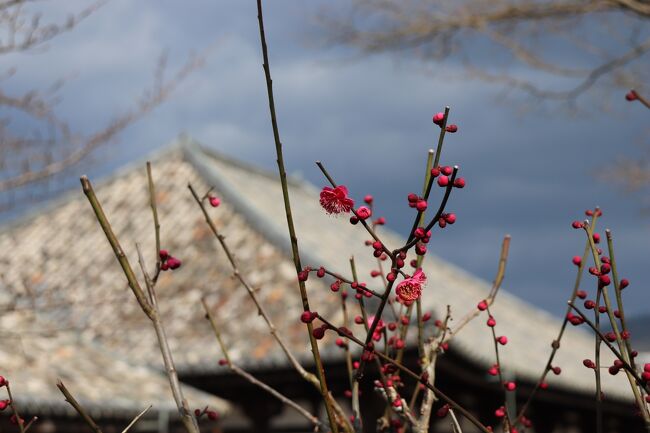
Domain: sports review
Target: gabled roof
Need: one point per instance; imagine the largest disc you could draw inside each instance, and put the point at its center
(61, 263)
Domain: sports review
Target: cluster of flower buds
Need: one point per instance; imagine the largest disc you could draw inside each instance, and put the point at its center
(613, 369)
(304, 274)
(443, 173)
(446, 218)
(211, 414)
(308, 316)
(319, 332)
(417, 202)
(423, 239)
(168, 261)
(439, 119)
(361, 290)
(378, 248)
(574, 320)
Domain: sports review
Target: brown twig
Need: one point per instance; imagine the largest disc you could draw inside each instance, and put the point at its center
(156, 223)
(244, 374)
(86, 417)
(292, 231)
(77, 407)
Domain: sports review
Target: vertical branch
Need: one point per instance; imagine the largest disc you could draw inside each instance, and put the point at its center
(602, 289)
(441, 137)
(617, 290)
(154, 211)
(292, 231)
(599, 394)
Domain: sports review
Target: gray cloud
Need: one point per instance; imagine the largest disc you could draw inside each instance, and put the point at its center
(528, 174)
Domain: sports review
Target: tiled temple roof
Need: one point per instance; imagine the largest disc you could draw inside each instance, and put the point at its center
(60, 279)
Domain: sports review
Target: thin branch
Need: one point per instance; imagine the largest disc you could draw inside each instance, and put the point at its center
(136, 419)
(156, 223)
(77, 407)
(292, 231)
(310, 377)
(117, 248)
(242, 373)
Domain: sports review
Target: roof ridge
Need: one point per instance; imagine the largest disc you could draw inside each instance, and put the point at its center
(194, 154)
(36, 210)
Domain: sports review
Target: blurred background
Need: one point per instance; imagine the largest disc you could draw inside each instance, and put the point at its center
(536, 89)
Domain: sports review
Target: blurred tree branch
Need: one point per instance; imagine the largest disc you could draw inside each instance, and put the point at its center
(547, 37)
(35, 158)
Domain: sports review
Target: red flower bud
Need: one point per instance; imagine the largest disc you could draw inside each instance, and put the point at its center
(452, 128)
(503, 340)
(459, 182)
(577, 225)
(482, 305)
(624, 283)
(214, 201)
(581, 294)
(308, 316)
(364, 212)
(438, 118)
(631, 96)
(443, 181)
(173, 263)
(368, 199)
(421, 205)
(577, 260)
(318, 333)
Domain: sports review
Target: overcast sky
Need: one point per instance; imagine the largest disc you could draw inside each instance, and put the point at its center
(369, 119)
